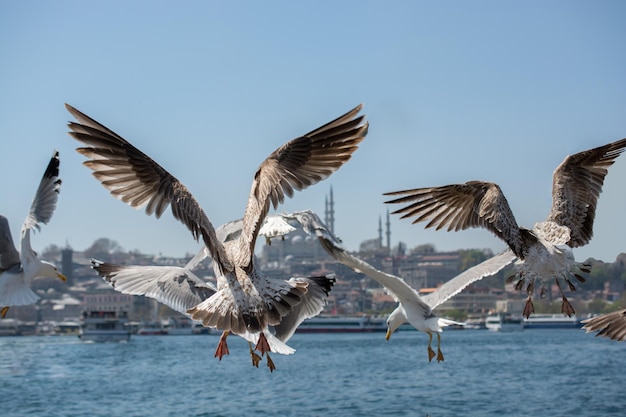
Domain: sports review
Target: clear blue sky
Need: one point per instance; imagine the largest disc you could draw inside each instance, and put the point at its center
(454, 91)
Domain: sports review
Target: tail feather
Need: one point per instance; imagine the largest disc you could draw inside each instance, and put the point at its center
(445, 322)
(276, 346)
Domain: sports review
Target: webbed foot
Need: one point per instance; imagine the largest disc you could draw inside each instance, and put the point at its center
(222, 347)
(566, 308)
(262, 345)
(270, 363)
(431, 353)
(528, 308)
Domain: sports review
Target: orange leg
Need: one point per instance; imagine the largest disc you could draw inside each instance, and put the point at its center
(439, 354)
(222, 347)
(431, 352)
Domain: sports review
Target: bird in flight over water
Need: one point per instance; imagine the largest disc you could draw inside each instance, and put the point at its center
(545, 251)
(18, 269)
(246, 301)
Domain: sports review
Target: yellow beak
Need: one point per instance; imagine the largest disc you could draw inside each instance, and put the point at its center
(61, 277)
(388, 335)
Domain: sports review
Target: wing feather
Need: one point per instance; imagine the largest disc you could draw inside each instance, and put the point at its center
(178, 288)
(610, 325)
(296, 165)
(475, 204)
(312, 304)
(457, 284)
(137, 180)
(576, 186)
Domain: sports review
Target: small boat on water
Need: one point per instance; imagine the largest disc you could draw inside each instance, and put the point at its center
(152, 328)
(9, 327)
(475, 323)
(185, 326)
(504, 323)
(104, 326)
(551, 321)
(67, 327)
(341, 324)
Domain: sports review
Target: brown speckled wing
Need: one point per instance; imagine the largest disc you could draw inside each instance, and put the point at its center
(296, 165)
(576, 185)
(461, 206)
(133, 177)
(610, 325)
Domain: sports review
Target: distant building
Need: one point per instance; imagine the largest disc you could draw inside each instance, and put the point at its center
(67, 265)
(108, 300)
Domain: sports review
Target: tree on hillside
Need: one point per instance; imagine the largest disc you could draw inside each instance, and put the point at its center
(105, 249)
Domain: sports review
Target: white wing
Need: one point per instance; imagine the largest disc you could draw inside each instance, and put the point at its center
(454, 286)
(43, 204)
(312, 304)
(178, 288)
(312, 224)
(398, 288)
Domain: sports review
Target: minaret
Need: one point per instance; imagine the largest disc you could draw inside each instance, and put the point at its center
(326, 217)
(388, 233)
(380, 232)
(329, 214)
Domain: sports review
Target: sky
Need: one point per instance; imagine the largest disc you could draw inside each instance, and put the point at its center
(454, 91)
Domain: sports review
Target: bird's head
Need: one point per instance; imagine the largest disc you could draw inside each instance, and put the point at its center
(49, 270)
(396, 319)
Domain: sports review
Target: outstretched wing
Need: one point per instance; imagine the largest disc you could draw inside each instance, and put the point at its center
(296, 165)
(454, 286)
(611, 325)
(312, 304)
(312, 224)
(178, 288)
(133, 177)
(461, 206)
(576, 185)
(44, 203)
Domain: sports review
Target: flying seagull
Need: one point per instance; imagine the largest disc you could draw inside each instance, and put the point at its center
(544, 251)
(611, 325)
(18, 269)
(412, 308)
(181, 289)
(246, 300)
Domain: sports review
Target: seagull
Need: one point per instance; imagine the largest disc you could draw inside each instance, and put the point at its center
(18, 269)
(611, 325)
(180, 289)
(544, 251)
(412, 308)
(246, 301)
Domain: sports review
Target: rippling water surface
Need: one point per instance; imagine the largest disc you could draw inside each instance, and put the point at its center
(530, 373)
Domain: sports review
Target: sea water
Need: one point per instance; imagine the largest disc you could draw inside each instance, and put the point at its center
(528, 373)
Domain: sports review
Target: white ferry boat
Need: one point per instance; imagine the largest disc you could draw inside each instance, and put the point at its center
(340, 324)
(551, 321)
(9, 327)
(184, 326)
(104, 326)
(504, 323)
(152, 328)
